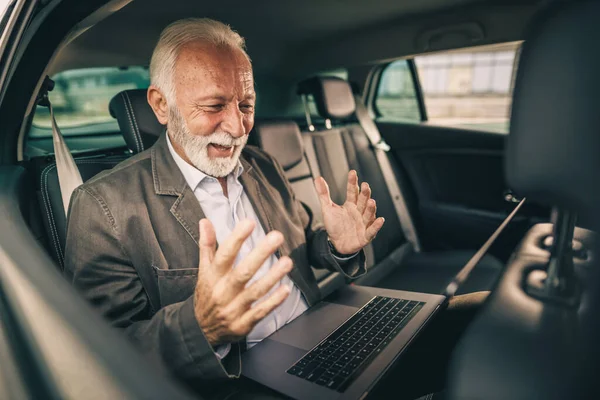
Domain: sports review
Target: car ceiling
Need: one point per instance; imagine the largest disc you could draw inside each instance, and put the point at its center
(280, 34)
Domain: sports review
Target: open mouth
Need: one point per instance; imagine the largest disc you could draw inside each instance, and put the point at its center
(218, 150)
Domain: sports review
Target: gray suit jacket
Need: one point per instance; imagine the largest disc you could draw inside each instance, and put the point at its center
(132, 250)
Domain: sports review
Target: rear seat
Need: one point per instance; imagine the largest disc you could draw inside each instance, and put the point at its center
(393, 262)
(329, 153)
(140, 130)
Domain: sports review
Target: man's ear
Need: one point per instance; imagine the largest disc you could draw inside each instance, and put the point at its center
(158, 102)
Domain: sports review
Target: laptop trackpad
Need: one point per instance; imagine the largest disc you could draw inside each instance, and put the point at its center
(314, 325)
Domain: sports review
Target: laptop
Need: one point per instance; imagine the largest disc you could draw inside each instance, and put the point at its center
(342, 346)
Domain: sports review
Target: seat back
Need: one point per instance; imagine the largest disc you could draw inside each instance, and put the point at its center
(136, 120)
(537, 334)
(341, 145)
(282, 139)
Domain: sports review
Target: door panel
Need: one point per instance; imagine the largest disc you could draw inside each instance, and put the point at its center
(458, 179)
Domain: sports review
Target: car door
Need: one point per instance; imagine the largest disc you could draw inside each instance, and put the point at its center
(446, 117)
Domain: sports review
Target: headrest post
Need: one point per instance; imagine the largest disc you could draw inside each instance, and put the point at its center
(559, 282)
(311, 127)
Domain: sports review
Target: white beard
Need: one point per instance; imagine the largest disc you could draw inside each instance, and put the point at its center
(196, 147)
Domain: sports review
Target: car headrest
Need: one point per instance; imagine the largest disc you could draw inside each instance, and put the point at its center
(554, 142)
(282, 140)
(136, 120)
(333, 96)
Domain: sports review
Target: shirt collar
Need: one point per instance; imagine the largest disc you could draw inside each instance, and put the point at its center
(193, 176)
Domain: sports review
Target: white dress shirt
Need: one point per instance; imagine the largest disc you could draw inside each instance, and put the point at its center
(225, 213)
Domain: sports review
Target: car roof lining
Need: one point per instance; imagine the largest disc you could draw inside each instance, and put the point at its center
(310, 36)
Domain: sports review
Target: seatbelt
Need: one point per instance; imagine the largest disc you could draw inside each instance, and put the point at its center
(381, 148)
(69, 177)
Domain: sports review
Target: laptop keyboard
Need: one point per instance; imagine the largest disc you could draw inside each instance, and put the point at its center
(343, 355)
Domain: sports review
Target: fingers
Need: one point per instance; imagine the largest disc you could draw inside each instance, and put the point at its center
(370, 211)
(229, 249)
(207, 242)
(323, 192)
(372, 230)
(265, 307)
(246, 269)
(262, 286)
(363, 197)
(352, 187)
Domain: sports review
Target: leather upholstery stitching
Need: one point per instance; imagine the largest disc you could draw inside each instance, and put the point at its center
(131, 117)
(52, 223)
(137, 128)
(137, 145)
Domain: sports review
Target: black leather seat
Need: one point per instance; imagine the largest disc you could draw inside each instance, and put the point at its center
(54, 218)
(136, 119)
(140, 129)
(537, 335)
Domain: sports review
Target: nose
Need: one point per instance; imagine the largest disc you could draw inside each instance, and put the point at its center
(233, 122)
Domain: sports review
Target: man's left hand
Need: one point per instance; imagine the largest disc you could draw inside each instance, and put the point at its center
(353, 225)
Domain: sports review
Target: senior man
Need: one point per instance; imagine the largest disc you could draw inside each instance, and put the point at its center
(134, 231)
(142, 238)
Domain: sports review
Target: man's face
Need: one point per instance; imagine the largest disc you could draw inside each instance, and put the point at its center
(214, 110)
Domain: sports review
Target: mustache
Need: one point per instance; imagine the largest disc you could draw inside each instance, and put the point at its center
(225, 139)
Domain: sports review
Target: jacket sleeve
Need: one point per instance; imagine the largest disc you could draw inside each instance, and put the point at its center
(317, 241)
(99, 267)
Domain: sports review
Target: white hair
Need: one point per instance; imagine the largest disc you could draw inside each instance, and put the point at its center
(177, 35)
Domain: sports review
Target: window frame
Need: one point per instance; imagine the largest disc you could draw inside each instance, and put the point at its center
(375, 77)
(375, 81)
(418, 89)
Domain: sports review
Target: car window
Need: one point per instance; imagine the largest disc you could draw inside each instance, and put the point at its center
(80, 99)
(396, 95)
(470, 88)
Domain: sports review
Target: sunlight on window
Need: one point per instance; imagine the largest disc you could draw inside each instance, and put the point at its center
(80, 97)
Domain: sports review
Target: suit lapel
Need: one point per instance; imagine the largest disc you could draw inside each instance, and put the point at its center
(188, 212)
(252, 187)
(258, 195)
(169, 181)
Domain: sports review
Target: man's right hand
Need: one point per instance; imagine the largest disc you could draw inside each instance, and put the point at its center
(223, 303)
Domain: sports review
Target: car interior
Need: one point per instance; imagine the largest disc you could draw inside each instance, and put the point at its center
(443, 83)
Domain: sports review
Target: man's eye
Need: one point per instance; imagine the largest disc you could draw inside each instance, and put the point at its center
(247, 107)
(215, 107)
